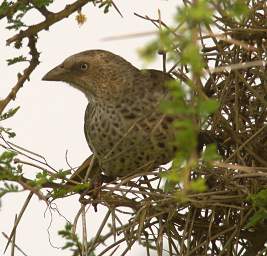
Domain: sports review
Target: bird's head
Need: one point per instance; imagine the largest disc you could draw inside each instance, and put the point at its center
(98, 74)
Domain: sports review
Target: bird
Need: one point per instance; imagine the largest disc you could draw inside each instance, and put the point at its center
(123, 124)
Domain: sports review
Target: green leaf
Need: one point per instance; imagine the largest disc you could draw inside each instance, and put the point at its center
(4, 7)
(80, 187)
(259, 199)
(197, 13)
(185, 137)
(11, 112)
(59, 192)
(166, 40)
(191, 55)
(171, 175)
(198, 185)
(177, 91)
(181, 196)
(8, 188)
(211, 153)
(207, 107)
(68, 245)
(169, 185)
(41, 3)
(186, 132)
(148, 53)
(106, 4)
(258, 217)
(8, 131)
(16, 60)
(7, 157)
(240, 8)
(62, 174)
(176, 105)
(200, 12)
(16, 24)
(72, 240)
(41, 178)
(106, 9)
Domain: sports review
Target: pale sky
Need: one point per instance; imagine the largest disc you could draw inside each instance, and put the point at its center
(50, 119)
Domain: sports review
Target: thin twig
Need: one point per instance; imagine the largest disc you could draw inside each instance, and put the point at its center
(17, 247)
(18, 219)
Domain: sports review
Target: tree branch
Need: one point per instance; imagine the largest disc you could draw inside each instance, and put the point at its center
(26, 73)
(51, 18)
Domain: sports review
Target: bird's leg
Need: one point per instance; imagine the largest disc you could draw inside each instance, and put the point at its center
(97, 183)
(94, 192)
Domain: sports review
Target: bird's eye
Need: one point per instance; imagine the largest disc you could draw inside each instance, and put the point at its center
(84, 66)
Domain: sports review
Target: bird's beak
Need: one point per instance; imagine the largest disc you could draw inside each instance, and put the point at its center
(56, 74)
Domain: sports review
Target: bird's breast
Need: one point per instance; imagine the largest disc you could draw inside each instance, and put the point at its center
(127, 140)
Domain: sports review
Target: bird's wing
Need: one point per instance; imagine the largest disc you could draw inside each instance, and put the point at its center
(154, 87)
(87, 117)
(157, 85)
(158, 78)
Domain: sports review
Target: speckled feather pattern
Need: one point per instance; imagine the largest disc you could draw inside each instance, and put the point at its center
(131, 135)
(123, 124)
